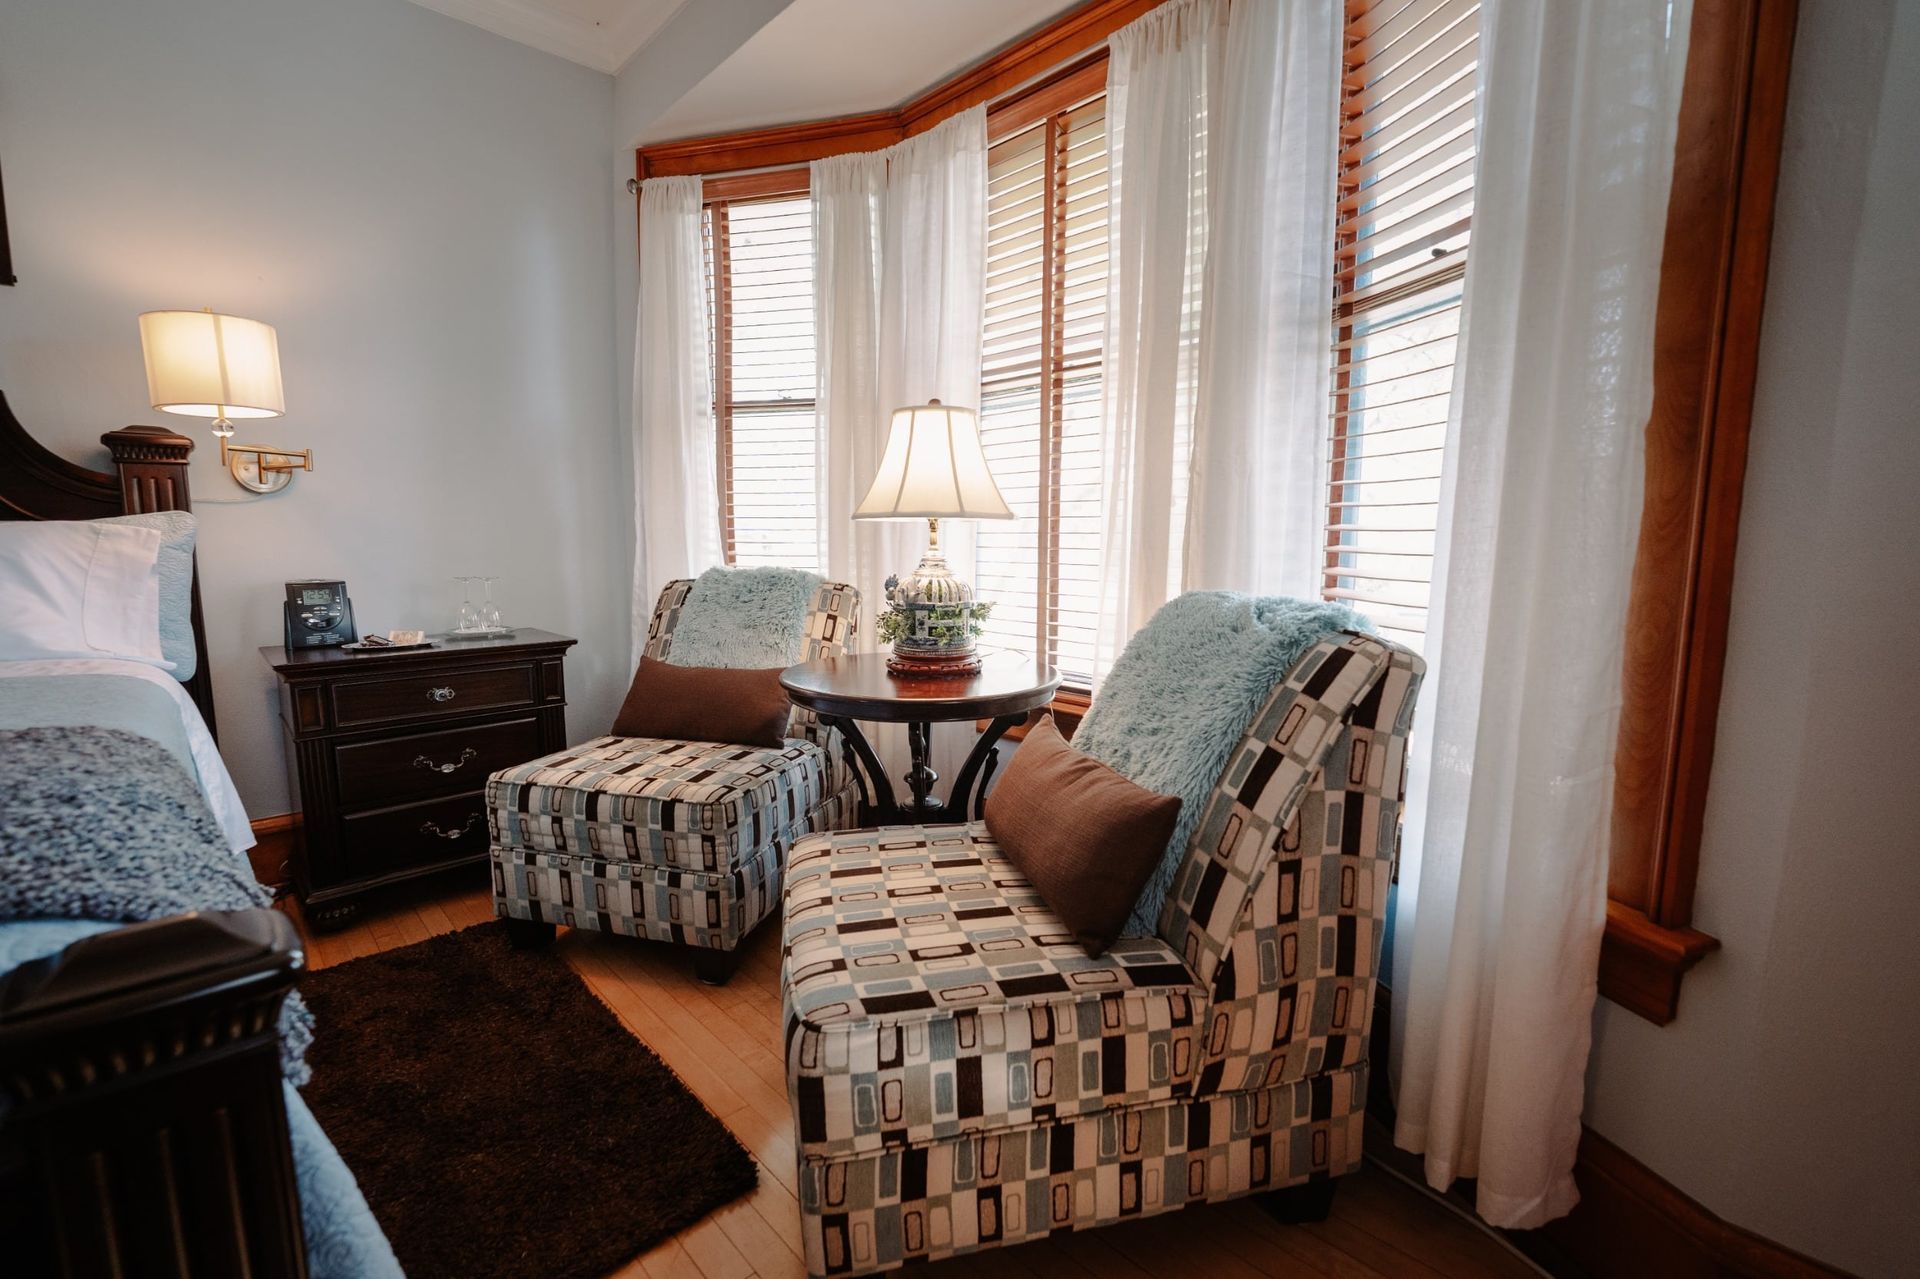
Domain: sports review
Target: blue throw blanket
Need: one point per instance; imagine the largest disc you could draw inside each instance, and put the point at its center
(103, 824)
(1180, 698)
(748, 618)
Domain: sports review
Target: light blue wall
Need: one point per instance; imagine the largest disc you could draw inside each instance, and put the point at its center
(1782, 1097)
(422, 209)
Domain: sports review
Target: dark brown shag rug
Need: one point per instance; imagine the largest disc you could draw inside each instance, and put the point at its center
(500, 1119)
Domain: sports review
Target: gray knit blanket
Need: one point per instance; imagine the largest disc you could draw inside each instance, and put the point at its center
(97, 823)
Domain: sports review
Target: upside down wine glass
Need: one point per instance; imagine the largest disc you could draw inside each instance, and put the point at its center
(489, 613)
(469, 615)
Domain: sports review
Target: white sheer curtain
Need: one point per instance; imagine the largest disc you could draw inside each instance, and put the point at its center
(849, 192)
(900, 239)
(676, 491)
(1538, 519)
(1222, 128)
(1256, 501)
(933, 289)
(900, 245)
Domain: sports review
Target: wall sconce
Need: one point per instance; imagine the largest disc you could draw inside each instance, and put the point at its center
(221, 367)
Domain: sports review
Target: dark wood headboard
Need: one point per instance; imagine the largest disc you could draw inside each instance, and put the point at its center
(149, 474)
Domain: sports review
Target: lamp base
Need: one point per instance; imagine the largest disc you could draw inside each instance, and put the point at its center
(916, 664)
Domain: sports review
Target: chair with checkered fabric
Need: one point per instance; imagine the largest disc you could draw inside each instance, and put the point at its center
(963, 1075)
(675, 841)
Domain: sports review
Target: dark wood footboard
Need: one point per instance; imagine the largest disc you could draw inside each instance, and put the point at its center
(144, 1129)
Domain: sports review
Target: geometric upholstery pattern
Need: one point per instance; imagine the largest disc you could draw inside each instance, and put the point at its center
(995, 1189)
(1274, 925)
(929, 992)
(1280, 903)
(1261, 789)
(675, 841)
(704, 806)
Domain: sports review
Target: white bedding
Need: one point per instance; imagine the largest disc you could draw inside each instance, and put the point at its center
(209, 769)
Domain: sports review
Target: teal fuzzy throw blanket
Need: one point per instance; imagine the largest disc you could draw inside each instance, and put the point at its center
(749, 618)
(1182, 694)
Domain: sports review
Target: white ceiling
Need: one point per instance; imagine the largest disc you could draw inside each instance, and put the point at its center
(822, 58)
(602, 34)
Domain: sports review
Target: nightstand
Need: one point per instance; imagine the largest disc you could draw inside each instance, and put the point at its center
(388, 754)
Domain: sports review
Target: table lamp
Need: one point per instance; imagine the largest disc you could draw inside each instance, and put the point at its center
(933, 469)
(221, 367)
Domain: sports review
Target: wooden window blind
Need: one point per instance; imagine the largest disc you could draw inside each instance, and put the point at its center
(760, 296)
(1405, 192)
(1041, 385)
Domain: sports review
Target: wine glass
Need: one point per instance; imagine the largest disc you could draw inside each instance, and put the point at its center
(469, 614)
(489, 612)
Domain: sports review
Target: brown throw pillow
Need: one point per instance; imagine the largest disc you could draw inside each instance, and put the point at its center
(705, 704)
(1083, 835)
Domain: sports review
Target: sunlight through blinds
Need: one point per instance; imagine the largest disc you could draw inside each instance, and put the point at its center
(1041, 386)
(760, 295)
(1405, 195)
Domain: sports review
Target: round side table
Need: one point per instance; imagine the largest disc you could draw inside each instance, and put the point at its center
(843, 690)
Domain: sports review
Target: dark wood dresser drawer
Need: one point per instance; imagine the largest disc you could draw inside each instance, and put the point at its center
(428, 833)
(421, 765)
(388, 754)
(431, 694)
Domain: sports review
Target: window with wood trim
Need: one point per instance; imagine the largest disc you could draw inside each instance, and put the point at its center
(760, 297)
(1041, 385)
(1712, 292)
(1405, 194)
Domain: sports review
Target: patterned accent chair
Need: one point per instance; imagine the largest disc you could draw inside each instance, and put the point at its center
(676, 841)
(963, 1076)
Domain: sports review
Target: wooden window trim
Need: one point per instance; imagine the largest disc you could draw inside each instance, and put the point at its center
(1706, 349)
(771, 184)
(1071, 44)
(1068, 708)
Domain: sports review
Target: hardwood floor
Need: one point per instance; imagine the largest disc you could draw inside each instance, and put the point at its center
(724, 1043)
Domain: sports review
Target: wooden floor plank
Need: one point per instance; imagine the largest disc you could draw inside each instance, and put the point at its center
(1313, 1246)
(1425, 1230)
(670, 1261)
(749, 1232)
(725, 1044)
(714, 1254)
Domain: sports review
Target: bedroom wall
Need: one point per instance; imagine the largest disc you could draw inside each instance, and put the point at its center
(422, 209)
(1782, 1097)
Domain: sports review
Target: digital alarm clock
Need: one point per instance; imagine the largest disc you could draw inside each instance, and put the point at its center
(319, 615)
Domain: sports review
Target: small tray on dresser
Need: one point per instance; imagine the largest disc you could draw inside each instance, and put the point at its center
(388, 753)
(362, 646)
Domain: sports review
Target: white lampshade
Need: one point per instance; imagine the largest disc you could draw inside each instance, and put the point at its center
(204, 365)
(933, 469)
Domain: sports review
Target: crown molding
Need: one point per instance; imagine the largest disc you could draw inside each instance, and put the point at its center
(1082, 30)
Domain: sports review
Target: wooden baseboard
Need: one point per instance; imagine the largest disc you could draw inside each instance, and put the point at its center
(1629, 1224)
(1632, 1224)
(272, 851)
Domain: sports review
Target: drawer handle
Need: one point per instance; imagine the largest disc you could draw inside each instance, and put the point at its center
(421, 761)
(441, 694)
(430, 828)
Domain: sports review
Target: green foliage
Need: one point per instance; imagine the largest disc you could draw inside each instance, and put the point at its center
(947, 623)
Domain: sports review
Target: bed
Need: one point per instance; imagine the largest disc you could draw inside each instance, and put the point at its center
(147, 1119)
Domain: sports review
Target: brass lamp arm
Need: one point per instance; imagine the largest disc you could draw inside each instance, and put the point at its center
(262, 452)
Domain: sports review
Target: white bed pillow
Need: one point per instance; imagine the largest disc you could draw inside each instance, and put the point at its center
(80, 588)
(177, 531)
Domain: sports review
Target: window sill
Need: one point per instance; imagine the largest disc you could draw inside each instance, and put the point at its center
(1641, 962)
(1067, 706)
